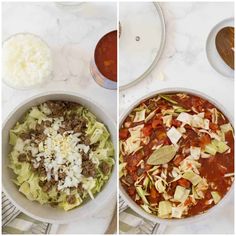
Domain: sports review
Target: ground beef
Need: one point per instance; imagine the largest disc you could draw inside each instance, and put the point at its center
(140, 171)
(39, 128)
(53, 181)
(74, 122)
(71, 199)
(41, 183)
(85, 156)
(53, 204)
(46, 123)
(105, 168)
(29, 155)
(72, 188)
(80, 125)
(87, 141)
(78, 128)
(61, 130)
(42, 172)
(40, 138)
(62, 176)
(47, 187)
(83, 122)
(82, 138)
(72, 105)
(22, 157)
(57, 108)
(129, 179)
(32, 133)
(67, 125)
(25, 136)
(88, 169)
(33, 168)
(94, 146)
(80, 188)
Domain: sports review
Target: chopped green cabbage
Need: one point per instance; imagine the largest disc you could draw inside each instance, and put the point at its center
(221, 146)
(177, 212)
(146, 208)
(28, 181)
(13, 138)
(167, 120)
(146, 183)
(192, 177)
(25, 189)
(139, 116)
(168, 99)
(66, 206)
(121, 169)
(216, 196)
(179, 109)
(164, 209)
(36, 114)
(181, 194)
(211, 149)
(160, 186)
(226, 127)
(216, 146)
(194, 192)
(141, 194)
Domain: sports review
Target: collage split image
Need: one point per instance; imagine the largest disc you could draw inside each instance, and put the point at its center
(117, 117)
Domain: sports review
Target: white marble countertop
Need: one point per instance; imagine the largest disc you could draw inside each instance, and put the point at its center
(72, 35)
(184, 64)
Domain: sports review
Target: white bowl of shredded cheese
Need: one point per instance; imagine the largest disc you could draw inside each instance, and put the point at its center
(45, 212)
(26, 61)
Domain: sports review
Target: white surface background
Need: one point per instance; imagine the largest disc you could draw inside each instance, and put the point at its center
(72, 34)
(184, 64)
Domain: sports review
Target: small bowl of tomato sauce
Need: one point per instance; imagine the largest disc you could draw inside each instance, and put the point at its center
(104, 64)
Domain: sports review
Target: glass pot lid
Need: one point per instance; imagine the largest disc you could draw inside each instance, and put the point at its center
(142, 37)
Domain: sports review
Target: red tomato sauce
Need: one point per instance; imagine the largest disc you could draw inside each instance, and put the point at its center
(212, 168)
(106, 55)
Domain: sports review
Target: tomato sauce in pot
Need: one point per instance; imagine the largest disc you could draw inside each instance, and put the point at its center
(106, 55)
(176, 155)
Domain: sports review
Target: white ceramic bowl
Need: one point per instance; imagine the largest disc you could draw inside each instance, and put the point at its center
(191, 219)
(50, 69)
(45, 212)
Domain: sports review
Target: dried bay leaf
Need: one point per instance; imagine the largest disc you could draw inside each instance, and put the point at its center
(162, 155)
